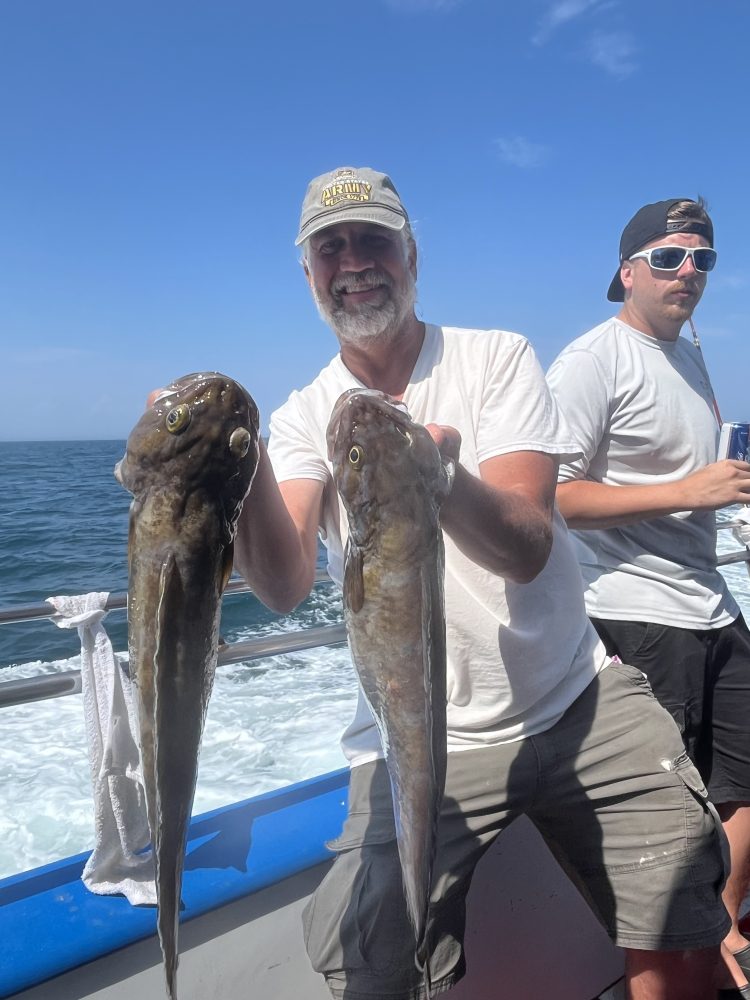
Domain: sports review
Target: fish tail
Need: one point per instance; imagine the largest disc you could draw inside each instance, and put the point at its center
(168, 922)
(172, 983)
(170, 971)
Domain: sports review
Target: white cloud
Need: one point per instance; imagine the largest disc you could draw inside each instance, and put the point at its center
(519, 152)
(613, 52)
(560, 13)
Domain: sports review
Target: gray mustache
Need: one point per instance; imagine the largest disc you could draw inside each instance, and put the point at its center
(360, 282)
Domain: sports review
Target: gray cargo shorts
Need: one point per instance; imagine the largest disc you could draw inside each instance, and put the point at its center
(612, 791)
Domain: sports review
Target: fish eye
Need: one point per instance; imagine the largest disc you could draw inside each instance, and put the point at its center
(355, 456)
(178, 418)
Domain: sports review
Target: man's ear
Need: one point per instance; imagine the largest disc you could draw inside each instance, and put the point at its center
(626, 274)
(412, 258)
(306, 269)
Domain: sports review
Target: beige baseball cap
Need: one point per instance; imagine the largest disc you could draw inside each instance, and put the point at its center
(350, 194)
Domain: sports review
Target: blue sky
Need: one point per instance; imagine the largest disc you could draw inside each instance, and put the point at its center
(155, 154)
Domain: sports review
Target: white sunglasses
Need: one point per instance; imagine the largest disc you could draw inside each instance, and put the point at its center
(671, 258)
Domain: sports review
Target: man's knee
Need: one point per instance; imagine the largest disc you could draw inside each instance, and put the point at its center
(670, 975)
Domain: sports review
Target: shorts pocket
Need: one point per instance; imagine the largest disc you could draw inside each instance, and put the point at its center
(363, 828)
(707, 862)
(634, 640)
(677, 711)
(356, 919)
(632, 675)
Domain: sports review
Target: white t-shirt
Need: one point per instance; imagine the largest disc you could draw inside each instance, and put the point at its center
(518, 654)
(641, 410)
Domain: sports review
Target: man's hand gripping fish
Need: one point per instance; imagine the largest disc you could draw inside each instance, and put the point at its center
(391, 479)
(189, 464)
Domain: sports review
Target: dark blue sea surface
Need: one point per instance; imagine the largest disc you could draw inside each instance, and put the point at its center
(64, 530)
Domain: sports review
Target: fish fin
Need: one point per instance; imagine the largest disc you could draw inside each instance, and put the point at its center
(354, 583)
(131, 531)
(435, 683)
(168, 594)
(168, 893)
(226, 569)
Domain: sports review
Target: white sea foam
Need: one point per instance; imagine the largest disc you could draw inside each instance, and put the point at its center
(269, 723)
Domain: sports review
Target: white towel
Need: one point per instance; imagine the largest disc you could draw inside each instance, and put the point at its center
(118, 862)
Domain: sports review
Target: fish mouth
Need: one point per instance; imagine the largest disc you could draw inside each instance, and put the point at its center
(351, 410)
(183, 383)
(159, 395)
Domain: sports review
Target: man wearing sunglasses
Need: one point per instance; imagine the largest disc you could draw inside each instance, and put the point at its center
(642, 499)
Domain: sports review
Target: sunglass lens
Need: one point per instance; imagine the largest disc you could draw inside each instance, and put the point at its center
(704, 259)
(672, 258)
(668, 258)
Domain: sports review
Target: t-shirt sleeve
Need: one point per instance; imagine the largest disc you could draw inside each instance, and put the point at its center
(580, 386)
(294, 446)
(518, 411)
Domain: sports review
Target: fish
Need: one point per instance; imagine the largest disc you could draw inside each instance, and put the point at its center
(392, 481)
(189, 463)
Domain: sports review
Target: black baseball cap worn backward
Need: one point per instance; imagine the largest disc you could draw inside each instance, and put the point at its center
(648, 223)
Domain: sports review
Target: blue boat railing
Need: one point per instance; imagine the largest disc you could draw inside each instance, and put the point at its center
(64, 682)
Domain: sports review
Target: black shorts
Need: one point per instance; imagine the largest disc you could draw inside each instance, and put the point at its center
(702, 677)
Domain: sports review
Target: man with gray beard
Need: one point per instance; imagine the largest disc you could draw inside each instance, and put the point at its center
(376, 315)
(539, 719)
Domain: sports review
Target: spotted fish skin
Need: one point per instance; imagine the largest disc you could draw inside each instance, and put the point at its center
(189, 463)
(392, 481)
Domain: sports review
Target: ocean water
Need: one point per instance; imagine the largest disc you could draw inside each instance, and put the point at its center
(63, 530)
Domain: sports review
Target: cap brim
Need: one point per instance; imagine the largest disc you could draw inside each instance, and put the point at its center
(616, 290)
(377, 214)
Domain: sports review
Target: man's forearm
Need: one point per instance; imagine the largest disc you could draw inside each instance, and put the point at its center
(270, 551)
(503, 531)
(585, 504)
